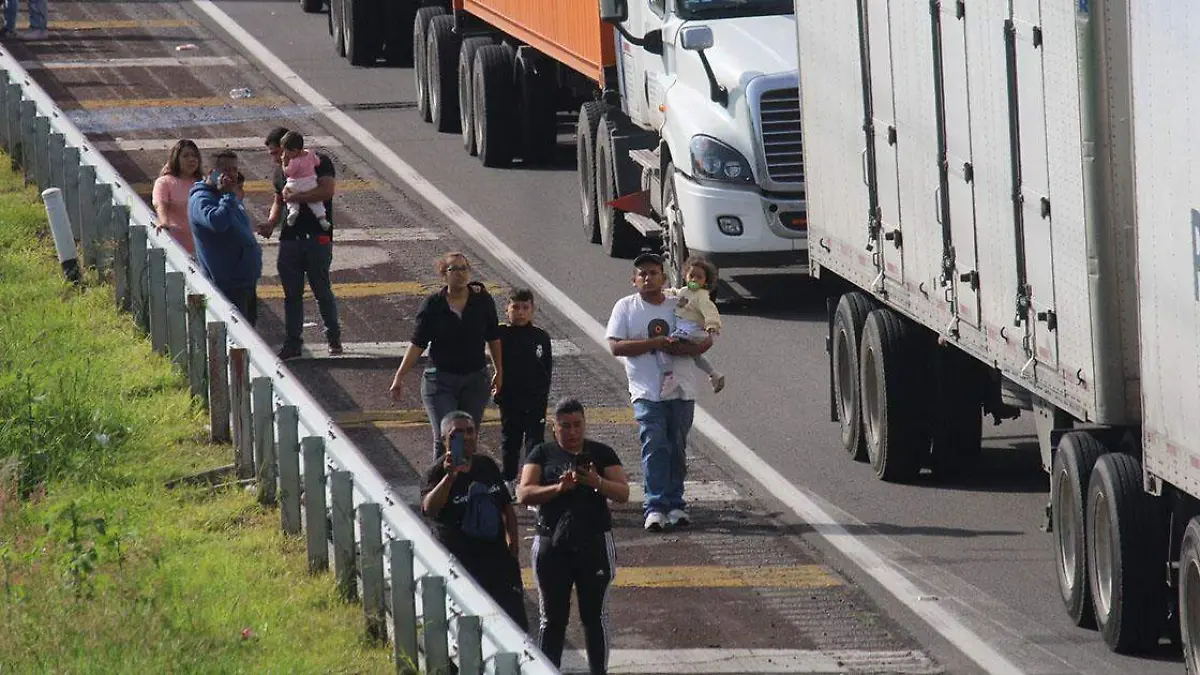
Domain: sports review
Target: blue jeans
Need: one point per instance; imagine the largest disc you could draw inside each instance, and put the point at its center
(300, 258)
(445, 392)
(663, 428)
(37, 14)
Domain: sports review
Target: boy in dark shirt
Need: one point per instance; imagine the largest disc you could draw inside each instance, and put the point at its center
(525, 349)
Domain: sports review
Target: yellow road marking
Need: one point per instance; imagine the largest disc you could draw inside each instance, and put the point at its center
(176, 102)
(372, 289)
(715, 576)
(406, 418)
(266, 187)
(117, 24)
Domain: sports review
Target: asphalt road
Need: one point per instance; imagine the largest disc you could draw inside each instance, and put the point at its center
(977, 544)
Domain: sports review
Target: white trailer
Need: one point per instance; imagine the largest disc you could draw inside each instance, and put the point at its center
(1000, 194)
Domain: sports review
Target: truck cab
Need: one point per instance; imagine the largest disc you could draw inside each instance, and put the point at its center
(715, 82)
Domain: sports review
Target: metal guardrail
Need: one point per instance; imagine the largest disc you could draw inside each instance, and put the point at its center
(274, 419)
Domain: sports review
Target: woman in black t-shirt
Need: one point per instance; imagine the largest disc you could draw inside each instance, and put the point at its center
(474, 518)
(571, 480)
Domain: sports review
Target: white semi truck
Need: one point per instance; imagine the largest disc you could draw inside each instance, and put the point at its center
(1005, 195)
(686, 115)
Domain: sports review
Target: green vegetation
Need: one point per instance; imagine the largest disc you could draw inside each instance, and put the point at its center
(103, 569)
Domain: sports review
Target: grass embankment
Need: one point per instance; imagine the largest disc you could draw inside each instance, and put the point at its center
(102, 569)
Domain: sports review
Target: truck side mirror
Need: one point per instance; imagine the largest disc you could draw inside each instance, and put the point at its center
(696, 38)
(614, 11)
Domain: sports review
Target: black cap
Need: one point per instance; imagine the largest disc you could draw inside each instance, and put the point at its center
(648, 257)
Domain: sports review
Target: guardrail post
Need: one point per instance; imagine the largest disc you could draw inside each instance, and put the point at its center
(27, 155)
(12, 118)
(177, 337)
(218, 383)
(139, 300)
(341, 491)
(121, 270)
(4, 137)
(288, 420)
(70, 186)
(87, 214)
(404, 606)
(239, 403)
(157, 262)
(41, 155)
(370, 528)
(316, 522)
(102, 208)
(433, 604)
(197, 365)
(506, 663)
(263, 394)
(470, 645)
(55, 143)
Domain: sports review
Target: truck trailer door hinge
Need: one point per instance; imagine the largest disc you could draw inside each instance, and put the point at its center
(1022, 305)
(968, 172)
(1049, 318)
(896, 237)
(1045, 207)
(1037, 36)
(891, 135)
(971, 278)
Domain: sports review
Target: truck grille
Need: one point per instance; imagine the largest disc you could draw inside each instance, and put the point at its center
(782, 143)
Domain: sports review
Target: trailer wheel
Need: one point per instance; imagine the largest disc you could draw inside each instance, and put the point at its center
(311, 6)
(1069, 474)
(538, 109)
(1189, 596)
(957, 416)
(617, 238)
(337, 26)
(675, 247)
(890, 363)
(361, 25)
(466, 102)
(848, 322)
(492, 85)
(442, 55)
(420, 70)
(1127, 549)
(585, 160)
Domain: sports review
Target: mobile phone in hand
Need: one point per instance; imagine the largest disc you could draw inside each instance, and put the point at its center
(458, 449)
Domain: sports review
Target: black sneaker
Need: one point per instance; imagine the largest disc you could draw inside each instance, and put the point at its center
(335, 348)
(288, 353)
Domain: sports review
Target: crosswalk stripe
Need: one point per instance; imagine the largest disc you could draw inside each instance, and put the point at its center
(399, 418)
(142, 62)
(371, 289)
(266, 187)
(395, 350)
(378, 234)
(178, 102)
(756, 660)
(715, 576)
(233, 143)
(114, 24)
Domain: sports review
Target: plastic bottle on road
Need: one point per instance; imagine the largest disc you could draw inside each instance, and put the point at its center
(240, 92)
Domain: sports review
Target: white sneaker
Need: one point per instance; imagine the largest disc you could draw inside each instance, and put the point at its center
(324, 223)
(678, 518)
(656, 521)
(718, 382)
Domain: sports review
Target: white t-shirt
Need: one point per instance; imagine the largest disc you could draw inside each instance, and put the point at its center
(635, 319)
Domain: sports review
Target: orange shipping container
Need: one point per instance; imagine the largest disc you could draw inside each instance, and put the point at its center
(568, 31)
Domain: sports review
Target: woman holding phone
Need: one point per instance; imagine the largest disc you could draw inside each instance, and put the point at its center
(465, 495)
(170, 194)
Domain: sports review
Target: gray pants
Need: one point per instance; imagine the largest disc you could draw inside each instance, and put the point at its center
(446, 392)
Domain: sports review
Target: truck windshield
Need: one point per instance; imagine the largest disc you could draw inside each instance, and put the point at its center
(722, 9)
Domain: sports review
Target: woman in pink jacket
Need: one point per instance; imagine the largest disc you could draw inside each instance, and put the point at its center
(170, 196)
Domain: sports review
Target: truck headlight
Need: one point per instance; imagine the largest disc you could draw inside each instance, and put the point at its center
(713, 160)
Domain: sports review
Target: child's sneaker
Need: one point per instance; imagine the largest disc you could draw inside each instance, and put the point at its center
(292, 216)
(324, 222)
(669, 384)
(718, 382)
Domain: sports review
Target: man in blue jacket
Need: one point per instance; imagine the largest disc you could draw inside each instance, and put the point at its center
(226, 248)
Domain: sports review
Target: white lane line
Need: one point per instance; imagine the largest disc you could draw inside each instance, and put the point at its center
(741, 661)
(379, 234)
(951, 625)
(232, 142)
(389, 350)
(145, 62)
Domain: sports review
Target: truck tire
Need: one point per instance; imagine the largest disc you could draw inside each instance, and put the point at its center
(957, 415)
(361, 24)
(1189, 596)
(1069, 474)
(848, 322)
(441, 54)
(420, 70)
(890, 364)
(675, 250)
(398, 18)
(538, 110)
(492, 91)
(337, 26)
(585, 160)
(617, 238)
(1127, 555)
(311, 6)
(466, 101)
